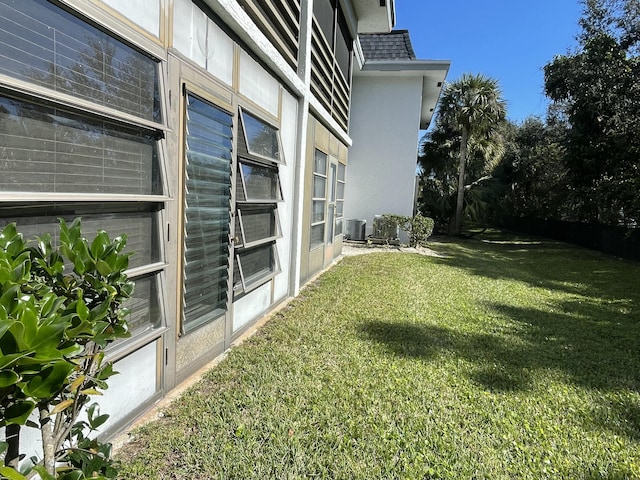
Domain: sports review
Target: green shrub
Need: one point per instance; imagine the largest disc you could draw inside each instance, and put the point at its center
(55, 323)
(418, 228)
(386, 226)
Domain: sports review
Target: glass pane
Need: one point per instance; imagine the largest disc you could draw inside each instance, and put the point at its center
(208, 143)
(340, 190)
(318, 211)
(319, 187)
(338, 226)
(317, 235)
(339, 208)
(342, 171)
(46, 149)
(320, 163)
(43, 44)
(332, 183)
(262, 139)
(258, 264)
(261, 183)
(144, 309)
(256, 224)
(140, 228)
(330, 225)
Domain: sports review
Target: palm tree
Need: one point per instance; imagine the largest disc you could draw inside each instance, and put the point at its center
(472, 106)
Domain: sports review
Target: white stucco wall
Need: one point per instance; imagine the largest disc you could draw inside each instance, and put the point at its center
(385, 118)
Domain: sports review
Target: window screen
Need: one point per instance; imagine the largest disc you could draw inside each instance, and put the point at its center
(208, 148)
(324, 12)
(259, 183)
(255, 266)
(46, 45)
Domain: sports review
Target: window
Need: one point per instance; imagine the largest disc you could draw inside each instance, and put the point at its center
(319, 199)
(324, 11)
(257, 195)
(340, 199)
(47, 46)
(105, 161)
(344, 46)
(261, 138)
(208, 149)
(46, 148)
(256, 224)
(256, 266)
(259, 183)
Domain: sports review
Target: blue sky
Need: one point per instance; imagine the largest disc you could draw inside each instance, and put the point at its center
(509, 40)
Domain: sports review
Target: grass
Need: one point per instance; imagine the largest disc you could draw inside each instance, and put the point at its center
(507, 359)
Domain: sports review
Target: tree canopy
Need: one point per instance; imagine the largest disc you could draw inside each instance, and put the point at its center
(464, 146)
(597, 90)
(581, 163)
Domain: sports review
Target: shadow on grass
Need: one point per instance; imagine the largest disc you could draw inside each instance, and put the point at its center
(546, 264)
(601, 355)
(496, 366)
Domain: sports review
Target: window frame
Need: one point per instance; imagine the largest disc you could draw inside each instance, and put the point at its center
(247, 158)
(339, 219)
(15, 204)
(251, 200)
(254, 243)
(246, 286)
(280, 158)
(219, 310)
(314, 199)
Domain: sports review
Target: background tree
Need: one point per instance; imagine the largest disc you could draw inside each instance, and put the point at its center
(534, 164)
(464, 147)
(597, 89)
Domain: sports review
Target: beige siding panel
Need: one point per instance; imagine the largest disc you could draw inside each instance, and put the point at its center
(258, 85)
(200, 346)
(322, 138)
(145, 13)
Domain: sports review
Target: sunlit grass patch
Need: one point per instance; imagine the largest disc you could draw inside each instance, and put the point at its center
(497, 361)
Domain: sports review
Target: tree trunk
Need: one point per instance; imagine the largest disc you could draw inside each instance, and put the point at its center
(48, 442)
(12, 437)
(463, 163)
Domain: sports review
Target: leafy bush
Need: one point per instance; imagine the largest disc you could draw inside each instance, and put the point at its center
(418, 228)
(59, 309)
(386, 226)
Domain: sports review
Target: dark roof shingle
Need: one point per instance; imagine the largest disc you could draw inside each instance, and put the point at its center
(395, 45)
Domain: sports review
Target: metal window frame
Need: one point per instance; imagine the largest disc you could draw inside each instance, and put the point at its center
(248, 199)
(246, 286)
(280, 160)
(255, 243)
(33, 93)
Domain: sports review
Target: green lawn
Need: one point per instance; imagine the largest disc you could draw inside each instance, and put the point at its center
(508, 359)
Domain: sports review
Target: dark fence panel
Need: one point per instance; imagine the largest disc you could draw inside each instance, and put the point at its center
(619, 241)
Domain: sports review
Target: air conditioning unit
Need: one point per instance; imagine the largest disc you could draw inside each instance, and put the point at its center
(356, 230)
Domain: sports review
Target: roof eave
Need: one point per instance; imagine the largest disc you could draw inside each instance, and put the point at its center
(433, 73)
